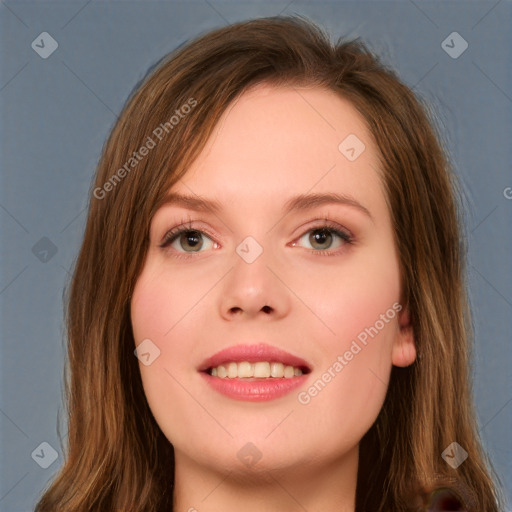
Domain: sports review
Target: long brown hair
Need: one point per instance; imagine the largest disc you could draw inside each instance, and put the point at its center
(117, 458)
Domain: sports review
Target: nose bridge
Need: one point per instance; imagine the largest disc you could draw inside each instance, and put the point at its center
(252, 287)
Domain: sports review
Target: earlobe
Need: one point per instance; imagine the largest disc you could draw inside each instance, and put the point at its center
(404, 347)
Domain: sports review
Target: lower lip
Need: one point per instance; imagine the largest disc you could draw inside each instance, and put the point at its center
(260, 390)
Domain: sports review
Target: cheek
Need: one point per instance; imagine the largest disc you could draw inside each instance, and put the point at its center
(360, 306)
(155, 312)
(352, 380)
(159, 310)
(162, 311)
(148, 313)
(159, 302)
(354, 297)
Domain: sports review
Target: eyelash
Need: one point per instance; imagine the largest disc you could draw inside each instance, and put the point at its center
(328, 225)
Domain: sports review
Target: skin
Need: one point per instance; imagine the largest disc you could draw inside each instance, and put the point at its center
(270, 145)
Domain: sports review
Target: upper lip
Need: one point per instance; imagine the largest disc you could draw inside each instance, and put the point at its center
(253, 354)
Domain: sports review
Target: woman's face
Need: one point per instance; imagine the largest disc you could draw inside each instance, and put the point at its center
(263, 272)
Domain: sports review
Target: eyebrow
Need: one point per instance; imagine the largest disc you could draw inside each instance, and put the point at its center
(297, 203)
(194, 202)
(308, 201)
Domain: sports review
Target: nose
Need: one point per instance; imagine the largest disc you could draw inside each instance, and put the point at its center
(254, 290)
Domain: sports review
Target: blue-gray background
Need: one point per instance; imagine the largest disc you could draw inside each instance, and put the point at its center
(57, 112)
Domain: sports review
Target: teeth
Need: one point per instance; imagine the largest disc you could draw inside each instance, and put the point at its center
(277, 370)
(259, 370)
(245, 369)
(262, 370)
(232, 370)
(288, 372)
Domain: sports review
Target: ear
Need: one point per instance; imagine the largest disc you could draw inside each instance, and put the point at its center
(404, 348)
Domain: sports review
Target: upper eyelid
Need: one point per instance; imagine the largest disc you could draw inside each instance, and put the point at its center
(183, 228)
(317, 223)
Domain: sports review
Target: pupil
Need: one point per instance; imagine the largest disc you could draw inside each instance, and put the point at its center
(320, 236)
(192, 239)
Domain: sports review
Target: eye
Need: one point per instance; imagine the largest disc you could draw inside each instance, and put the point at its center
(185, 239)
(326, 238)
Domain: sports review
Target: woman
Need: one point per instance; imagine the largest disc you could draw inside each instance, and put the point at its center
(274, 230)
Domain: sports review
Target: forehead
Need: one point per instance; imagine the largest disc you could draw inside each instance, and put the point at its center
(272, 143)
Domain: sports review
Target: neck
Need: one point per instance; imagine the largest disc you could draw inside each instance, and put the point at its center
(314, 485)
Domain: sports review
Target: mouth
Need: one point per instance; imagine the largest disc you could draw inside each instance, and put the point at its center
(254, 372)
